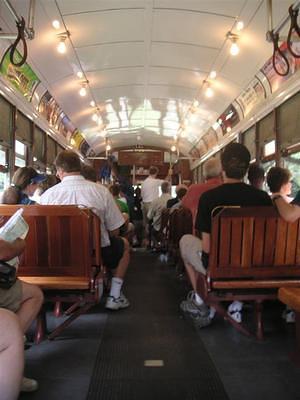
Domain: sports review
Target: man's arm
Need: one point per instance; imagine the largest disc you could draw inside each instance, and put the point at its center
(289, 212)
(205, 242)
(9, 250)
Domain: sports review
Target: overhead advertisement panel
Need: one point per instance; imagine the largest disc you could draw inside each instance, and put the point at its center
(22, 78)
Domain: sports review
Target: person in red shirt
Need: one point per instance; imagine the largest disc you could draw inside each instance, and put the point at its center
(213, 177)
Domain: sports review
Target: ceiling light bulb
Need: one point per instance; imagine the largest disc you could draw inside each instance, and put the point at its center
(213, 75)
(95, 117)
(196, 103)
(92, 103)
(228, 129)
(61, 47)
(82, 91)
(108, 147)
(209, 92)
(56, 24)
(234, 49)
(80, 74)
(173, 148)
(240, 25)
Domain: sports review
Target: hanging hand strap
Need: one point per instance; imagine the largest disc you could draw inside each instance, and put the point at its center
(277, 52)
(294, 27)
(20, 38)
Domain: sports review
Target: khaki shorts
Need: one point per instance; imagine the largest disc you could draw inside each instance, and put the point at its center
(190, 250)
(11, 298)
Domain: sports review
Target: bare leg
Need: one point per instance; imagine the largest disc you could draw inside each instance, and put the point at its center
(32, 300)
(121, 269)
(11, 355)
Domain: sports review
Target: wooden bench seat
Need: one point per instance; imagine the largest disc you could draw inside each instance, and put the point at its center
(58, 282)
(291, 297)
(62, 256)
(253, 253)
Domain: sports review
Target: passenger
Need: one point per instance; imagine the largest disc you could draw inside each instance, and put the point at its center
(137, 218)
(150, 192)
(279, 182)
(256, 176)
(89, 173)
(213, 177)
(288, 211)
(25, 181)
(156, 208)
(183, 190)
(74, 189)
(180, 195)
(50, 181)
(22, 298)
(11, 355)
(127, 229)
(195, 253)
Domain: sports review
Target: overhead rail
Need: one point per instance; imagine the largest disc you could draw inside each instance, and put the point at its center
(273, 36)
(23, 32)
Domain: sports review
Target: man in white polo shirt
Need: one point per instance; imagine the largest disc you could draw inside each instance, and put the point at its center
(150, 192)
(74, 189)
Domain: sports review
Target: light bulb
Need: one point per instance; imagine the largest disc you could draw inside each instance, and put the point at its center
(228, 129)
(240, 25)
(92, 103)
(195, 103)
(108, 147)
(56, 24)
(234, 49)
(213, 75)
(95, 117)
(61, 47)
(173, 148)
(82, 91)
(80, 74)
(209, 92)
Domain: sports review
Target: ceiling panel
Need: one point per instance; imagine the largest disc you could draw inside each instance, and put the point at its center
(116, 77)
(80, 6)
(191, 57)
(175, 77)
(190, 27)
(106, 27)
(222, 7)
(98, 57)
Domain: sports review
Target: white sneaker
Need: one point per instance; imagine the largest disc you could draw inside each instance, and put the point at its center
(235, 311)
(289, 316)
(29, 385)
(116, 304)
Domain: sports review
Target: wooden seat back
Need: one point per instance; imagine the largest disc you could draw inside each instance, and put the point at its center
(253, 242)
(181, 223)
(62, 240)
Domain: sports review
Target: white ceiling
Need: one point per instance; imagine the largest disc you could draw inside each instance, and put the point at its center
(145, 61)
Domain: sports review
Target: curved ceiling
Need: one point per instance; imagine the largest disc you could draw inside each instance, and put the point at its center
(146, 62)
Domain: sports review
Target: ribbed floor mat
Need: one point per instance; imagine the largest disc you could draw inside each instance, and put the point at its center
(152, 329)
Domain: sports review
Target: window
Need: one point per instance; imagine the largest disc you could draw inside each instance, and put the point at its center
(289, 121)
(51, 150)
(5, 121)
(4, 176)
(38, 149)
(292, 162)
(21, 153)
(248, 139)
(23, 125)
(266, 132)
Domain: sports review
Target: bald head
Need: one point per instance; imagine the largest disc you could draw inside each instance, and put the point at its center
(212, 168)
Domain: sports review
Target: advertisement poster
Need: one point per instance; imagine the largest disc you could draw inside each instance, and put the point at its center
(274, 79)
(251, 96)
(22, 78)
(65, 126)
(77, 139)
(49, 109)
(228, 119)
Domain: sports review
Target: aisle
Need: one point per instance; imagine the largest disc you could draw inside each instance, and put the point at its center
(152, 331)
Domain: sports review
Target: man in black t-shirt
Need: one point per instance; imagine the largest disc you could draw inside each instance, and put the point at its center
(235, 162)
